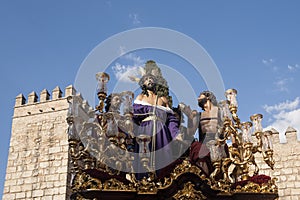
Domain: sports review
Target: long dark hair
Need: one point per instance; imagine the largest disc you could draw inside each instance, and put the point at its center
(210, 96)
(162, 88)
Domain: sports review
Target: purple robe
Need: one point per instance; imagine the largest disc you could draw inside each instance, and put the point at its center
(167, 128)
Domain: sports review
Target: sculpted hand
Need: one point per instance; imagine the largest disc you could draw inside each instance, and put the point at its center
(187, 110)
(179, 137)
(134, 79)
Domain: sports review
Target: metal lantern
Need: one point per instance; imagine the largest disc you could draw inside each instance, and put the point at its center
(231, 97)
(256, 120)
(246, 132)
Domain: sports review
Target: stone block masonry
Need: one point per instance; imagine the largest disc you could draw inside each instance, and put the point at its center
(37, 166)
(287, 166)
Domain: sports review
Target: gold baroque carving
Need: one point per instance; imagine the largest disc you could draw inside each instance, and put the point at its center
(184, 167)
(269, 187)
(83, 181)
(189, 193)
(147, 186)
(114, 184)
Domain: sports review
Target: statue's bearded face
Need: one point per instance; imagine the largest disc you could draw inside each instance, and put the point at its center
(149, 82)
(116, 102)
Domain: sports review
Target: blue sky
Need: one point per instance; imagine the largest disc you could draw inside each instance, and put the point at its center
(254, 44)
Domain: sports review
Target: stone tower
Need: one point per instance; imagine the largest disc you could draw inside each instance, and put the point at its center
(287, 164)
(38, 154)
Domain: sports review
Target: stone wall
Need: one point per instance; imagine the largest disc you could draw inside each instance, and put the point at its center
(287, 166)
(38, 154)
(38, 158)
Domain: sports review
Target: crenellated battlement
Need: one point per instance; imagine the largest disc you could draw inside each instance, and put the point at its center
(286, 147)
(290, 136)
(45, 103)
(44, 96)
(38, 161)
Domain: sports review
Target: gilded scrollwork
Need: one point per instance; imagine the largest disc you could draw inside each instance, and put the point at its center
(103, 145)
(251, 187)
(182, 168)
(114, 184)
(83, 181)
(189, 193)
(146, 186)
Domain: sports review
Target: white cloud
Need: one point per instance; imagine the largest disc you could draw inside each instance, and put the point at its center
(271, 63)
(293, 68)
(135, 18)
(281, 84)
(287, 105)
(123, 72)
(281, 74)
(136, 59)
(268, 61)
(284, 114)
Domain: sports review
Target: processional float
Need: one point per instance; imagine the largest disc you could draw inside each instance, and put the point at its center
(101, 146)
